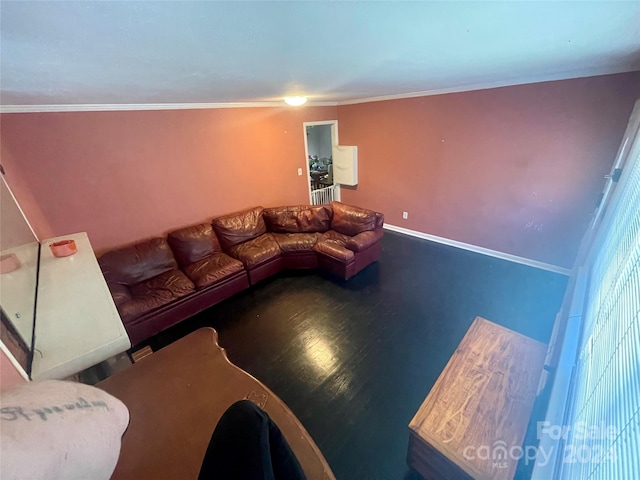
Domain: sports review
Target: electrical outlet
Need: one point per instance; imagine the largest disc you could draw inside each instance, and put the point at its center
(299, 172)
(405, 215)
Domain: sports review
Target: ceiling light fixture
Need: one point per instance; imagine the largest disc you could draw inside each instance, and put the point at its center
(295, 101)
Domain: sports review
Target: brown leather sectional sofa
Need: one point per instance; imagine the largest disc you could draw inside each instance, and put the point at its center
(162, 281)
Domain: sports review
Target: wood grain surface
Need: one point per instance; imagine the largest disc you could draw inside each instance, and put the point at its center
(473, 422)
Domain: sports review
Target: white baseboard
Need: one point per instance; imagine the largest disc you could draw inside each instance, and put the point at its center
(484, 251)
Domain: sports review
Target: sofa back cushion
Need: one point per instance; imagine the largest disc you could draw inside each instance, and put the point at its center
(350, 220)
(194, 243)
(239, 227)
(298, 219)
(137, 263)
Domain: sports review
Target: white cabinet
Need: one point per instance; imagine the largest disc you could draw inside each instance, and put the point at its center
(345, 165)
(77, 324)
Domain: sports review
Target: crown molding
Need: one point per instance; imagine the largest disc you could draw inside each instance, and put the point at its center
(114, 107)
(119, 107)
(593, 72)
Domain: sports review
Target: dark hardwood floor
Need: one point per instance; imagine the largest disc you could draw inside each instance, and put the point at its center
(354, 360)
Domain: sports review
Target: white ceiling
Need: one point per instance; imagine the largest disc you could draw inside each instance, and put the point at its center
(134, 52)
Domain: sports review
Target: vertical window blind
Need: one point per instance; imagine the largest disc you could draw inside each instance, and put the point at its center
(603, 434)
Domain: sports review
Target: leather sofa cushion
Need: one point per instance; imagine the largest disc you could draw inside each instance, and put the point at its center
(256, 251)
(137, 263)
(239, 227)
(212, 269)
(298, 219)
(335, 236)
(154, 293)
(351, 220)
(119, 292)
(333, 244)
(193, 243)
(364, 240)
(296, 242)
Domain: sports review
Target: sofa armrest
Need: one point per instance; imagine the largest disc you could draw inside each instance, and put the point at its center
(364, 240)
(119, 292)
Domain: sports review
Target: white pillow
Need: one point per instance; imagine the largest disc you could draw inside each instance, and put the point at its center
(60, 430)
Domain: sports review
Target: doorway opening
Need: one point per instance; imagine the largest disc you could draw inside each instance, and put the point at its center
(319, 140)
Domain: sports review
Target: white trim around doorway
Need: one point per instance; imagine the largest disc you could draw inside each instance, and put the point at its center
(334, 142)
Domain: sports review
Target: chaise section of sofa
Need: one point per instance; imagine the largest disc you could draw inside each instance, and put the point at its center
(353, 242)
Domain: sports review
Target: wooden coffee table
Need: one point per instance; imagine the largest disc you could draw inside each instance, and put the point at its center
(473, 422)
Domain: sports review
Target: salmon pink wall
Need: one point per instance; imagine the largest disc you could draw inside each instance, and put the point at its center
(23, 194)
(124, 176)
(515, 169)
